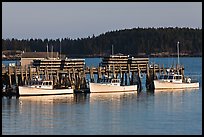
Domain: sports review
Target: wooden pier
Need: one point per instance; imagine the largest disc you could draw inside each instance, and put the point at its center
(74, 73)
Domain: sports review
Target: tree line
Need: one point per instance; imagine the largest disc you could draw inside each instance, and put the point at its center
(127, 41)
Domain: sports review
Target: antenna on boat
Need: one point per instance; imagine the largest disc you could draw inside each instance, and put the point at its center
(178, 51)
(178, 54)
(52, 57)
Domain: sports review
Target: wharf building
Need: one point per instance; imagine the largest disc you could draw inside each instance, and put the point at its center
(51, 61)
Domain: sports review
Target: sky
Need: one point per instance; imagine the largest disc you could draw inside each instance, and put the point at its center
(53, 20)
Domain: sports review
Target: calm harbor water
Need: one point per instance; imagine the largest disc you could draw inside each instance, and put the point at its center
(144, 113)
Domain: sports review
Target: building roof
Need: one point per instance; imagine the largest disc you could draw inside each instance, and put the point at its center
(39, 54)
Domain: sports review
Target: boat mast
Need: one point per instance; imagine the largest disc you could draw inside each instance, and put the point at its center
(178, 54)
(46, 71)
(51, 63)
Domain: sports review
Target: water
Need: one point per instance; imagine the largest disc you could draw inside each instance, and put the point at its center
(7, 62)
(144, 113)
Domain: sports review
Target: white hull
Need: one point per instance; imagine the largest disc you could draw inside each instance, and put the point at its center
(169, 85)
(26, 91)
(98, 87)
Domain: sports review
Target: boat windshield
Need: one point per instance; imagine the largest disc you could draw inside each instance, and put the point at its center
(171, 77)
(115, 81)
(106, 80)
(36, 83)
(177, 77)
(47, 83)
(165, 76)
(161, 77)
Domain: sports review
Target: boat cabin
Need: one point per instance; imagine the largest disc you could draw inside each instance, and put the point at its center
(45, 84)
(175, 78)
(111, 81)
(115, 82)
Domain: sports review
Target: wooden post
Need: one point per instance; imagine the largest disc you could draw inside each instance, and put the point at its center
(73, 74)
(106, 71)
(148, 79)
(16, 76)
(69, 77)
(120, 71)
(60, 79)
(164, 70)
(38, 73)
(154, 74)
(81, 79)
(22, 78)
(128, 75)
(159, 70)
(117, 72)
(139, 80)
(114, 76)
(9, 74)
(26, 75)
(66, 80)
(77, 81)
(85, 82)
(132, 77)
(99, 74)
(122, 78)
(57, 77)
(73, 79)
(138, 70)
(91, 75)
(30, 74)
(46, 73)
(125, 78)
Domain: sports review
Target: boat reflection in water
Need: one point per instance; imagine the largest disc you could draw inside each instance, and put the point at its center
(76, 98)
(157, 91)
(41, 111)
(51, 99)
(112, 96)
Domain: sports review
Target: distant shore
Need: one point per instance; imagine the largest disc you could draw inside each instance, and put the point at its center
(95, 56)
(139, 56)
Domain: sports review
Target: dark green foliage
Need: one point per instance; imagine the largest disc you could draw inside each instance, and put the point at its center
(127, 41)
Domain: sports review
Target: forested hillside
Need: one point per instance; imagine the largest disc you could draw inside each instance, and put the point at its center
(128, 41)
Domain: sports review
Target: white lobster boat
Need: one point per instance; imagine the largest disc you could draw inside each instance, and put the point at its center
(174, 81)
(44, 87)
(111, 85)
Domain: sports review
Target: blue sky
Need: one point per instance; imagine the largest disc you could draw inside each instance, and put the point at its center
(52, 20)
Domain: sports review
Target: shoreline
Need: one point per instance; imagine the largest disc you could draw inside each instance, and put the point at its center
(14, 59)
